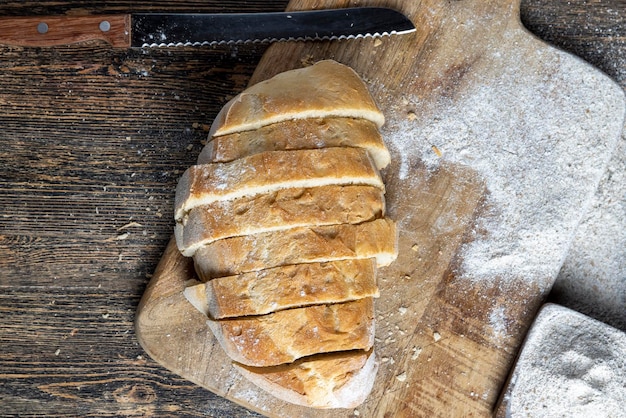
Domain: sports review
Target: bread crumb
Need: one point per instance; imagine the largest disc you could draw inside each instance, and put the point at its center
(436, 150)
(415, 247)
(120, 237)
(129, 225)
(307, 60)
(56, 353)
(436, 336)
(378, 42)
(411, 115)
(401, 377)
(356, 413)
(416, 353)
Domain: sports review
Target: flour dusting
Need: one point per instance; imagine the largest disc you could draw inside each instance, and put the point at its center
(497, 322)
(541, 143)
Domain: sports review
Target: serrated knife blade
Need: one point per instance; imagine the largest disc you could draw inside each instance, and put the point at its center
(142, 30)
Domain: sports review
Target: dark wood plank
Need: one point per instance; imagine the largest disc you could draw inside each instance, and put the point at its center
(92, 142)
(593, 31)
(73, 353)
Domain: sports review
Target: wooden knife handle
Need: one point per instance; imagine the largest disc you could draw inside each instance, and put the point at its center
(62, 30)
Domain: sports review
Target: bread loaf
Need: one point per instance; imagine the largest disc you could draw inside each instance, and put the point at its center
(336, 380)
(376, 239)
(279, 210)
(271, 171)
(284, 336)
(284, 216)
(299, 134)
(270, 290)
(325, 89)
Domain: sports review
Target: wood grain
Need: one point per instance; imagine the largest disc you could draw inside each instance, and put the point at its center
(91, 139)
(464, 353)
(93, 142)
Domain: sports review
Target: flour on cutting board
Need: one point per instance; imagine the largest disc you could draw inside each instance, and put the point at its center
(540, 142)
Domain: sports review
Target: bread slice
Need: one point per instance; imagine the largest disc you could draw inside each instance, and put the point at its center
(336, 380)
(299, 134)
(285, 336)
(282, 209)
(271, 171)
(271, 290)
(231, 256)
(324, 89)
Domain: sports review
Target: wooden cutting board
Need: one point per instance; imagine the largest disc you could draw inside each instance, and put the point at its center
(498, 141)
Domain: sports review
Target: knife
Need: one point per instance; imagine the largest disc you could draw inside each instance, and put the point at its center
(187, 29)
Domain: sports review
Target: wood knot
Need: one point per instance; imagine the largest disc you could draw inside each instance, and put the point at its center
(135, 394)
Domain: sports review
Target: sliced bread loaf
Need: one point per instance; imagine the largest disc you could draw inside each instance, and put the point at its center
(284, 216)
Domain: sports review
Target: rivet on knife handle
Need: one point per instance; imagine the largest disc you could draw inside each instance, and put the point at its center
(61, 30)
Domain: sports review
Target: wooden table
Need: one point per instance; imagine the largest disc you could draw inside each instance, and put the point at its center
(93, 142)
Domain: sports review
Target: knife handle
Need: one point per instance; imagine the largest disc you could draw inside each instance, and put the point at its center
(45, 31)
